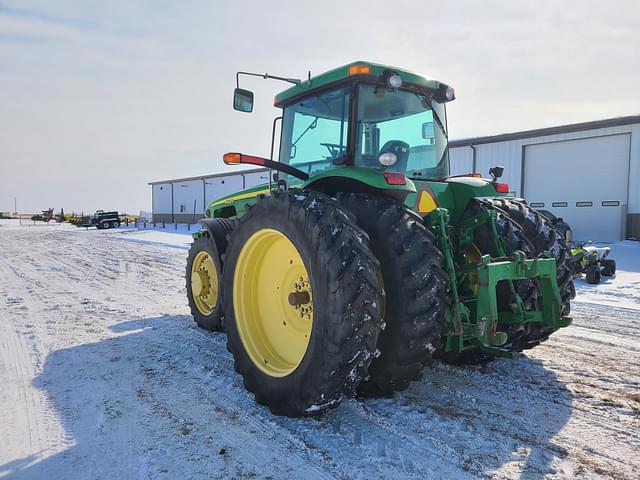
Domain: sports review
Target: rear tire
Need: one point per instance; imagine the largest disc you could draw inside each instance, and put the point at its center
(608, 267)
(205, 303)
(514, 238)
(416, 291)
(323, 241)
(543, 236)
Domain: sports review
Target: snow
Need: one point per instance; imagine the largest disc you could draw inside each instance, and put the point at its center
(174, 239)
(103, 374)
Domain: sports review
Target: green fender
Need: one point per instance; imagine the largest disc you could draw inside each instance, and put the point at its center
(373, 179)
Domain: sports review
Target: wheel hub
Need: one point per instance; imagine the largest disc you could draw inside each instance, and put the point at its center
(273, 302)
(199, 283)
(204, 283)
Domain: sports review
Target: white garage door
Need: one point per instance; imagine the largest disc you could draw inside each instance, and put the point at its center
(583, 181)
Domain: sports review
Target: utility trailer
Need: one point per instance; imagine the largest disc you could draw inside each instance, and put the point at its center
(101, 220)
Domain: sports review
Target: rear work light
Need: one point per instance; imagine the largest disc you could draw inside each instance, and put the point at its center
(395, 178)
(502, 187)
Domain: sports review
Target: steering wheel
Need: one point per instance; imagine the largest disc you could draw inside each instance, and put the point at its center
(335, 149)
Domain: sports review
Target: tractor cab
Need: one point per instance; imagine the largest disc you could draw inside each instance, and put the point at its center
(371, 118)
(366, 116)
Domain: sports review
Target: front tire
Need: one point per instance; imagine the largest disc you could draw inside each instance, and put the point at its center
(302, 302)
(415, 287)
(593, 274)
(204, 272)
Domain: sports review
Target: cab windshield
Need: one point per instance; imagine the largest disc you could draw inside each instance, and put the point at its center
(315, 131)
(405, 124)
(317, 135)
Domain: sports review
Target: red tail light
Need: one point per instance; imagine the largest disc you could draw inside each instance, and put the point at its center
(502, 187)
(395, 178)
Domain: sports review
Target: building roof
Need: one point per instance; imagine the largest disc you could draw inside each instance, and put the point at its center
(205, 177)
(543, 132)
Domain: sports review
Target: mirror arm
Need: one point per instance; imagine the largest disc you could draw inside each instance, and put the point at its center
(295, 81)
(273, 141)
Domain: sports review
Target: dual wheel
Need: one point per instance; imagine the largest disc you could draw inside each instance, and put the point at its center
(521, 228)
(305, 277)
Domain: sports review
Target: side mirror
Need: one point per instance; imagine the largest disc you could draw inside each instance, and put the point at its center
(496, 172)
(427, 131)
(242, 100)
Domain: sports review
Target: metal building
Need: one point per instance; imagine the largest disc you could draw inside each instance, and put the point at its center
(184, 200)
(587, 173)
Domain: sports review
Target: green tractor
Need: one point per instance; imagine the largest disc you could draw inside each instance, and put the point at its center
(363, 258)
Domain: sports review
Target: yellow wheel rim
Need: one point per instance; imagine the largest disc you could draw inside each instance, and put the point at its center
(204, 283)
(272, 302)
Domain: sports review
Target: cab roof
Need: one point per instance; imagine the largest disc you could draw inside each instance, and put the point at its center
(359, 69)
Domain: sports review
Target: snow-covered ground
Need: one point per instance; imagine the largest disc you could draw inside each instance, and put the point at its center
(103, 374)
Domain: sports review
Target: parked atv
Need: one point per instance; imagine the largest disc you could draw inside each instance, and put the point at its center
(593, 262)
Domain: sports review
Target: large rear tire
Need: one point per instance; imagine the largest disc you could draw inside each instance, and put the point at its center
(542, 234)
(302, 302)
(514, 238)
(416, 288)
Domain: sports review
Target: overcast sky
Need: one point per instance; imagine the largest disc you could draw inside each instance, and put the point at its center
(97, 98)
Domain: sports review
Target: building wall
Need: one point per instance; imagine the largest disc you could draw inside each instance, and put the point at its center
(221, 186)
(510, 155)
(461, 160)
(161, 199)
(186, 195)
(256, 178)
(198, 191)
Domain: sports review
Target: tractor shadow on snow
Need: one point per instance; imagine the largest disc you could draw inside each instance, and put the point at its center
(162, 400)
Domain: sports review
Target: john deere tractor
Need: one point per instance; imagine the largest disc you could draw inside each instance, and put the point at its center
(363, 258)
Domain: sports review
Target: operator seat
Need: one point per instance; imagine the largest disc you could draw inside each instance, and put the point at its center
(401, 150)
